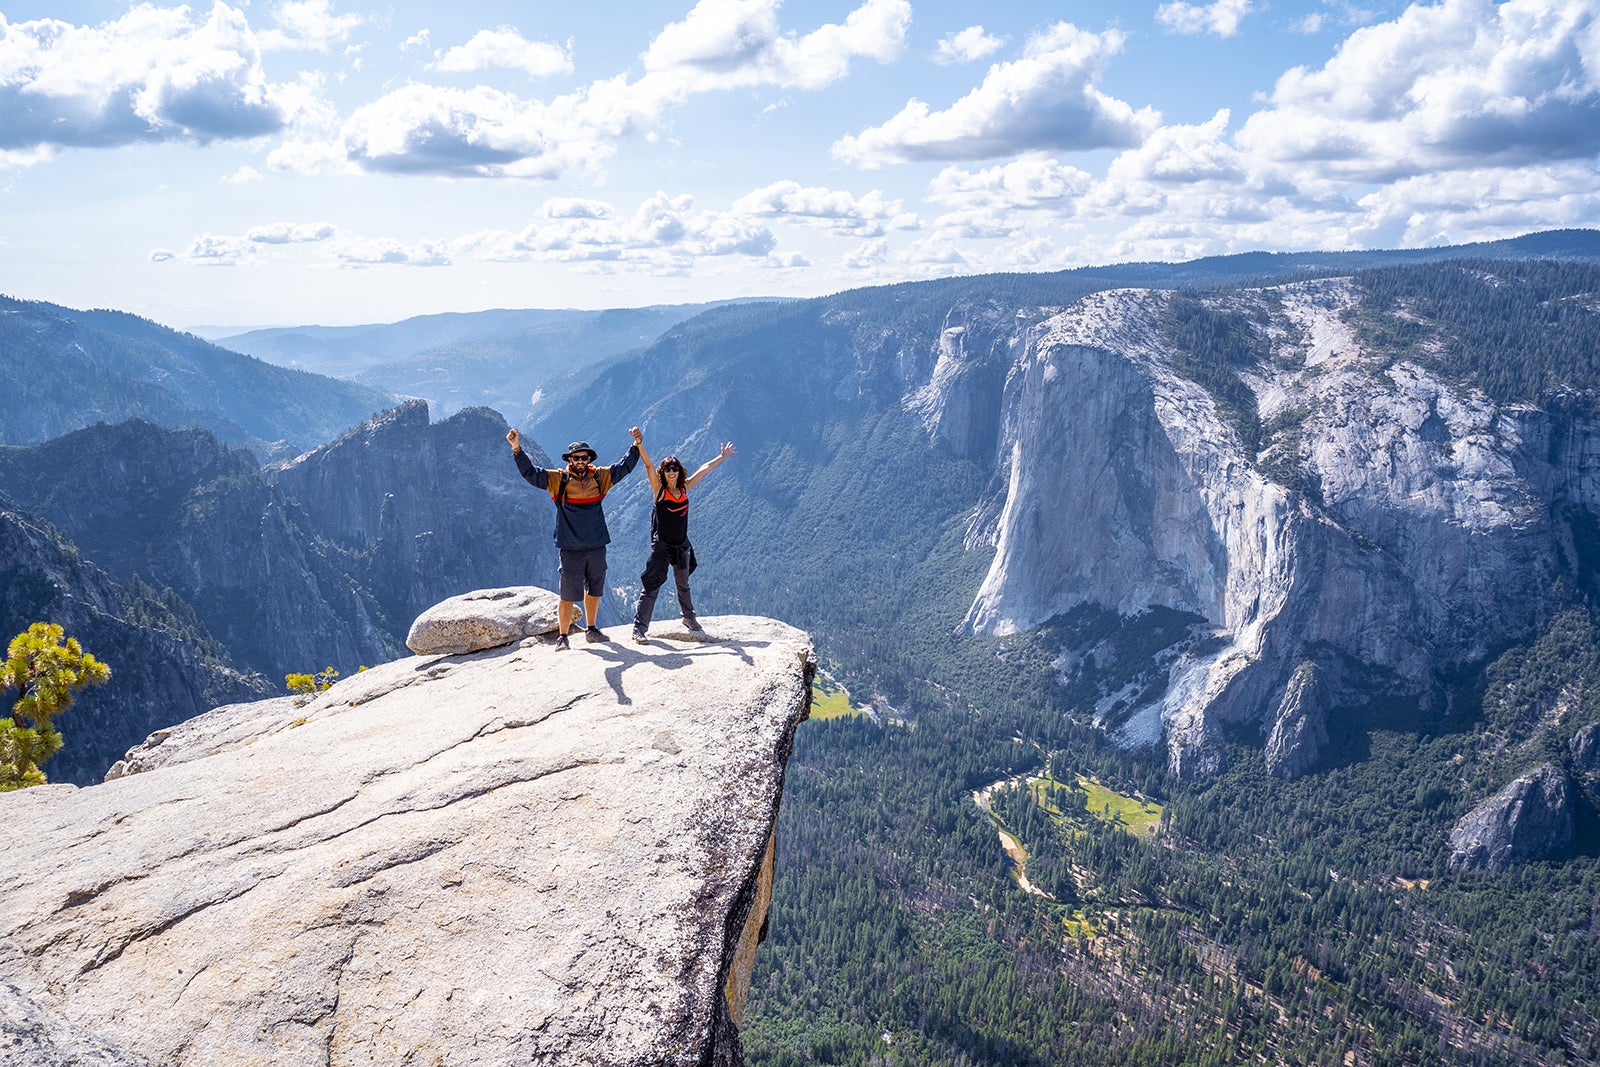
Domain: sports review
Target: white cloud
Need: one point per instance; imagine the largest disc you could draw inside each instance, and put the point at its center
(840, 212)
(1046, 101)
(967, 46)
(1479, 205)
(308, 24)
(19, 159)
(1459, 84)
(1221, 17)
(1028, 184)
(571, 207)
(283, 233)
(477, 132)
(487, 132)
(416, 41)
(243, 176)
(156, 74)
(1006, 201)
(724, 44)
(665, 233)
(937, 251)
(867, 256)
(309, 155)
(1182, 155)
(505, 47)
(386, 251)
(216, 250)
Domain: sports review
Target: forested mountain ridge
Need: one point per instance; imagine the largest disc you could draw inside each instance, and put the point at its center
(167, 667)
(322, 561)
(62, 370)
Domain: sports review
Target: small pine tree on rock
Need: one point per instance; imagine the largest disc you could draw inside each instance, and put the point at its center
(47, 667)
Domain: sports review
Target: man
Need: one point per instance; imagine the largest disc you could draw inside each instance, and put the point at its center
(581, 533)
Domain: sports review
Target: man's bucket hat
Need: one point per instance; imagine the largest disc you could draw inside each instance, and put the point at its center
(580, 446)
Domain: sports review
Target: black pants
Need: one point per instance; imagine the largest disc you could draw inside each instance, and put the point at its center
(680, 558)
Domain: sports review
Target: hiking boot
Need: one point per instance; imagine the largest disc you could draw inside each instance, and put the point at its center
(639, 635)
(561, 643)
(692, 624)
(593, 634)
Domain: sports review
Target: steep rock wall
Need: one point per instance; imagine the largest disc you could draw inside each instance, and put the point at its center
(1419, 534)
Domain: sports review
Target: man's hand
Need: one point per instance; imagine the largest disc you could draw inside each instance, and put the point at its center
(638, 435)
(515, 439)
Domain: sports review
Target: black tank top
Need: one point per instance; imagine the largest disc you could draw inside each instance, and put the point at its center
(670, 523)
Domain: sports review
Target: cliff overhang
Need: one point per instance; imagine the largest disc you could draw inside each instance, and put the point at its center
(514, 855)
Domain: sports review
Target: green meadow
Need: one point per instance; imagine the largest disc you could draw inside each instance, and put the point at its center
(830, 700)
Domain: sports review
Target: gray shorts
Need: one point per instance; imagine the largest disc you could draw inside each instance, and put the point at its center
(583, 570)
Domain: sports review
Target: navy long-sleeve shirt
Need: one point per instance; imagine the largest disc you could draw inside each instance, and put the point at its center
(580, 519)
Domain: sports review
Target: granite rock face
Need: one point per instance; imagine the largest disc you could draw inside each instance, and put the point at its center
(1300, 731)
(1530, 819)
(518, 856)
(1387, 526)
(1585, 748)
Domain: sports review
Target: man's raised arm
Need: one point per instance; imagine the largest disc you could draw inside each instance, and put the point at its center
(536, 475)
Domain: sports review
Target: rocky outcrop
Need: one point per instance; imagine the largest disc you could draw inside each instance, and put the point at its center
(425, 511)
(1530, 819)
(519, 856)
(1386, 524)
(1300, 727)
(1585, 747)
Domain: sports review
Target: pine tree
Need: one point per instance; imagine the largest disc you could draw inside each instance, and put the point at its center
(48, 668)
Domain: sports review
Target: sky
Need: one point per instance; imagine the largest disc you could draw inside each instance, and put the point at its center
(283, 162)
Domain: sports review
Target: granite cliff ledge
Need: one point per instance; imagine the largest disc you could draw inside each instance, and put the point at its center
(508, 856)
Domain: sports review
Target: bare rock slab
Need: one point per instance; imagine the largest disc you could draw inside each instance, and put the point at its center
(483, 619)
(518, 856)
(1530, 819)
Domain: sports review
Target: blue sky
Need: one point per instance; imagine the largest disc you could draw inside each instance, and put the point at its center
(346, 161)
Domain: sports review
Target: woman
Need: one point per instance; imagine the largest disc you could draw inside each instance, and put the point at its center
(669, 537)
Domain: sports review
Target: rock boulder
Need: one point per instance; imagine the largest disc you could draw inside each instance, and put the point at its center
(486, 618)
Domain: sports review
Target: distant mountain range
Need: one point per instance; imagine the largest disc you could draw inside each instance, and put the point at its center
(64, 369)
(495, 359)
